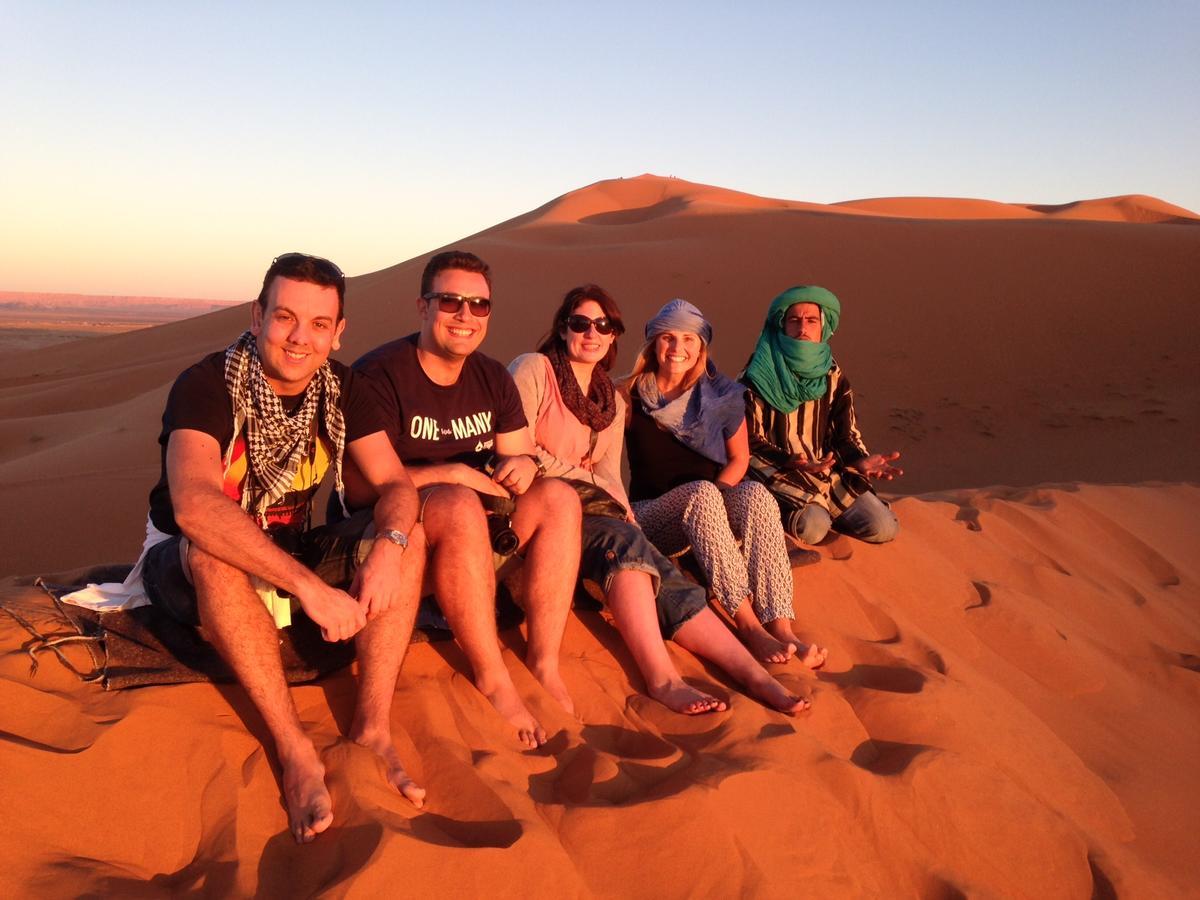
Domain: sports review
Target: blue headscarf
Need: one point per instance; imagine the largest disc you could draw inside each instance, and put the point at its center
(712, 410)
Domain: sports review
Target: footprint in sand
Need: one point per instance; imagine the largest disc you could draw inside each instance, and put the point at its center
(886, 757)
(462, 810)
(983, 592)
(892, 679)
(615, 765)
(885, 629)
(1102, 886)
(970, 515)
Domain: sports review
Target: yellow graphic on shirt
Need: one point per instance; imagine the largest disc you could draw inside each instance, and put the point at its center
(292, 508)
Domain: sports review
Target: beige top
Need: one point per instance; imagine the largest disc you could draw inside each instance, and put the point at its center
(566, 447)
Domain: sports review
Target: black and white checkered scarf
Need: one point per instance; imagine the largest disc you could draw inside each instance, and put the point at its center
(276, 443)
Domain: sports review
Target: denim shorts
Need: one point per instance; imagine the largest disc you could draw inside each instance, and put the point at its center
(614, 545)
(333, 552)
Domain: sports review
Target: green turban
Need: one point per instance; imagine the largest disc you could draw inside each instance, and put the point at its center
(785, 371)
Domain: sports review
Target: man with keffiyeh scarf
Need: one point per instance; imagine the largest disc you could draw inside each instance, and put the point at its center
(248, 435)
(804, 439)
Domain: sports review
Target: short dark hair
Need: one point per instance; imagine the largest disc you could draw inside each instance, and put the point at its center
(302, 267)
(575, 298)
(454, 259)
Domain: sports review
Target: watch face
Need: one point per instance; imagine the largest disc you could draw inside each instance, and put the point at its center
(396, 537)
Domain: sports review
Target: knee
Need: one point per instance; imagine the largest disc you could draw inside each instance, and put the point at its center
(453, 511)
(759, 497)
(809, 525)
(705, 500)
(202, 568)
(881, 528)
(872, 520)
(555, 499)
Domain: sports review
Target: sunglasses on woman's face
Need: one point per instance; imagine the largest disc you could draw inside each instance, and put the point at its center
(580, 324)
(451, 303)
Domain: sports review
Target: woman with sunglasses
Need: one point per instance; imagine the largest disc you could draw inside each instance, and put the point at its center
(577, 418)
(688, 455)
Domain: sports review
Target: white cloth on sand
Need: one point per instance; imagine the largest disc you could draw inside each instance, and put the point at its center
(127, 594)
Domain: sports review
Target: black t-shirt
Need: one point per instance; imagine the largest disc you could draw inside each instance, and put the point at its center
(659, 461)
(199, 401)
(433, 423)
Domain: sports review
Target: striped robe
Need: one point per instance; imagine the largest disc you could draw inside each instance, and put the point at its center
(817, 427)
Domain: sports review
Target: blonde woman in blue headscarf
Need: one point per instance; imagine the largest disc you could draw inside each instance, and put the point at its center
(686, 440)
(804, 438)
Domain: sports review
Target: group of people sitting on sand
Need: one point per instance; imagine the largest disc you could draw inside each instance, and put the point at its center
(449, 470)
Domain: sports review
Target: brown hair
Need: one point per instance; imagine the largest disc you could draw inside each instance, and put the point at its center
(454, 259)
(311, 269)
(575, 298)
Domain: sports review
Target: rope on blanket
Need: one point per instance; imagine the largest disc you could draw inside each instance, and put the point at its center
(41, 642)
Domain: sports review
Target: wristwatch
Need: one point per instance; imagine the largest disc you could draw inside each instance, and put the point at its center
(399, 538)
(537, 463)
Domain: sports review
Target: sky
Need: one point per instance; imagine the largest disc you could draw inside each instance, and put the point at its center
(173, 149)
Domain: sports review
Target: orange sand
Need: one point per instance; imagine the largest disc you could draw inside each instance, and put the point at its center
(1011, 703)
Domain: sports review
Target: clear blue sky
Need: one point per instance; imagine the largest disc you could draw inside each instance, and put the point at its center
(174, 148)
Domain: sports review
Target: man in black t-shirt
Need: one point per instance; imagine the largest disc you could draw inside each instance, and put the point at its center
(451, 414)
(248, 435)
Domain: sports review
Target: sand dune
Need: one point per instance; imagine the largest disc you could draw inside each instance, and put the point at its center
(986, 350)
(1011, 711)
(1012, 706)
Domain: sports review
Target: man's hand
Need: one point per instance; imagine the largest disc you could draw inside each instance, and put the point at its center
(336, 612)
(376, 583)
(801, 463)
(878, 465)
(515, 472)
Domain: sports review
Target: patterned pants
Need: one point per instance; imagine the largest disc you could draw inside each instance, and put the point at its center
(699, 515)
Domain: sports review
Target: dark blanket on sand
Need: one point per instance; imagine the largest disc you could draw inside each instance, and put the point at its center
(143, 646)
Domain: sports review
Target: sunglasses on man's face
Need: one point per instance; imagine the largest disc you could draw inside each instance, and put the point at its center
(451, 303)
(580, 324)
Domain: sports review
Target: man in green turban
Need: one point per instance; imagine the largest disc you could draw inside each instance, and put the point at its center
(804, 439)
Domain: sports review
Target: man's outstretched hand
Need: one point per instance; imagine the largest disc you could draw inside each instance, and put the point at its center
(801, 463)
(878, 465)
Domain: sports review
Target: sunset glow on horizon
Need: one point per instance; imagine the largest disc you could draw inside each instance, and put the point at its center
(173, 151)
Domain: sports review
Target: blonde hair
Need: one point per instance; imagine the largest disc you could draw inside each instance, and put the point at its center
(647, 361)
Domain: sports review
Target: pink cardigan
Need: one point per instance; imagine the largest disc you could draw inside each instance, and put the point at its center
(563, 442)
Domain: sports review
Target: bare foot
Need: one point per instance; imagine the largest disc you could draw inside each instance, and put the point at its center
(679, 696)
(810, 655)
(396, 775)
(551, 680)
(310, 809)
(769, 691)
(762, 645)
(508, 703)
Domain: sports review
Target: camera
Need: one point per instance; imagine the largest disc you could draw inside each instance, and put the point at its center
(499, 522)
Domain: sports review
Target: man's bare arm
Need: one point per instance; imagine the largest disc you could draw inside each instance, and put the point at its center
(218, 526)
(516, 465)
(376, 582)
(455, 473)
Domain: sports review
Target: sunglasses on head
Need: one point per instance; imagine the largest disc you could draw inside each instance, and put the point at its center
(580, 324)
(451, 303)
(330, 268)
